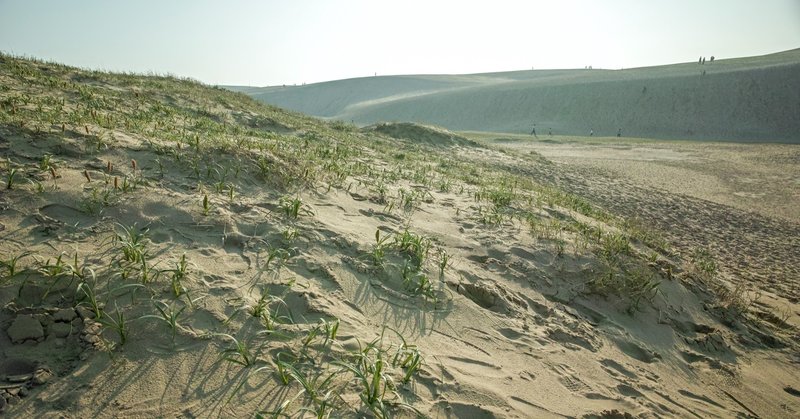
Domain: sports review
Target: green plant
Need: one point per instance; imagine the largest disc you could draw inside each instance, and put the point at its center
(96, 200)
(132, 242)
(312, 385)
(10, 178)
(277, 254)
(77, 269)
(279, 411)
(37, 186)
(292, 207)
(370, 366)
(264, 167)
(58, 269)
(368, 369)
(407, 357)
(178, 275)
(409, 200)
(379, 248)
(444, 260)
(560, 246)
(55, 269)
(117, 322)
(613, 245)
(282, 368)
(633, 285)
(219, 186)
(239, 353)
(206, 205)
(330, 328)
(128, 183)
(160, 167)
(10, 264)
(289, 234)
(147, 273)
(704, 263)
(46, 163)
(413, 245)
(263, 310)
(90, 298)
(168, 316)
(417, 282)
(269, 309)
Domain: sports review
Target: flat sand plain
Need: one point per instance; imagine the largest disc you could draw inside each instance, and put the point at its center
(763, 178)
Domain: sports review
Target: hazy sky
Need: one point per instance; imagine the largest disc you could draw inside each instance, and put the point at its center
(275, 42)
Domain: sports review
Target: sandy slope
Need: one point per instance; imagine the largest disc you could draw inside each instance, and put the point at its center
(520, 297)
(750, 99)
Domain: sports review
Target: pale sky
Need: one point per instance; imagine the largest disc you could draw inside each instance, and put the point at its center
(271, 42)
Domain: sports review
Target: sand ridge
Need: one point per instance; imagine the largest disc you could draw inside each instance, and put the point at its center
(742, 99)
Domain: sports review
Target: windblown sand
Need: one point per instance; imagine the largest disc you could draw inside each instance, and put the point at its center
(751, 99)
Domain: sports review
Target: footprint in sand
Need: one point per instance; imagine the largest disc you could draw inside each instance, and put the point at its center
(567, 378)
(511, 333)
(637, 352)
(791, 390)
(54, 216)
(571, 340)
(492, 297)
(476, 368)
(455, 409)
(700, 398)
(614, 369)
(628, 391)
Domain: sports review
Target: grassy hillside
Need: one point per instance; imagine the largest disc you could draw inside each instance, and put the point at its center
(746, 99)
(169, 249)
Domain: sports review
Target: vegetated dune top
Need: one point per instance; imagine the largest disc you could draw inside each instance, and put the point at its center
(742, 99)
(424, 134)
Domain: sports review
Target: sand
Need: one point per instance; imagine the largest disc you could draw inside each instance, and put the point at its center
(738, 199)
(763, 178)
(742, 99)
(512, 324)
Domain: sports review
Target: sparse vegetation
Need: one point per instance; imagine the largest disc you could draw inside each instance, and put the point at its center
(285, 199)
(11, 178)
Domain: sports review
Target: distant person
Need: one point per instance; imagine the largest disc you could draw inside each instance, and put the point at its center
(550, 132)
(591, 132)
(619, 132)
(533, 131)
(704, 60)
(700, 60)
(712, 59)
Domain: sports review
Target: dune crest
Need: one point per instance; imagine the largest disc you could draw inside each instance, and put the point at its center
(742, 99)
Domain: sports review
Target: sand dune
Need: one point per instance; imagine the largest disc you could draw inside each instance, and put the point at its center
(745, 99)
(169, 249)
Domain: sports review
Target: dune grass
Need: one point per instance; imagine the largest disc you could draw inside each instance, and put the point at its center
(212, 142)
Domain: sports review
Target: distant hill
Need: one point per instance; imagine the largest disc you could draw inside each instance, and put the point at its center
(742, 99)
